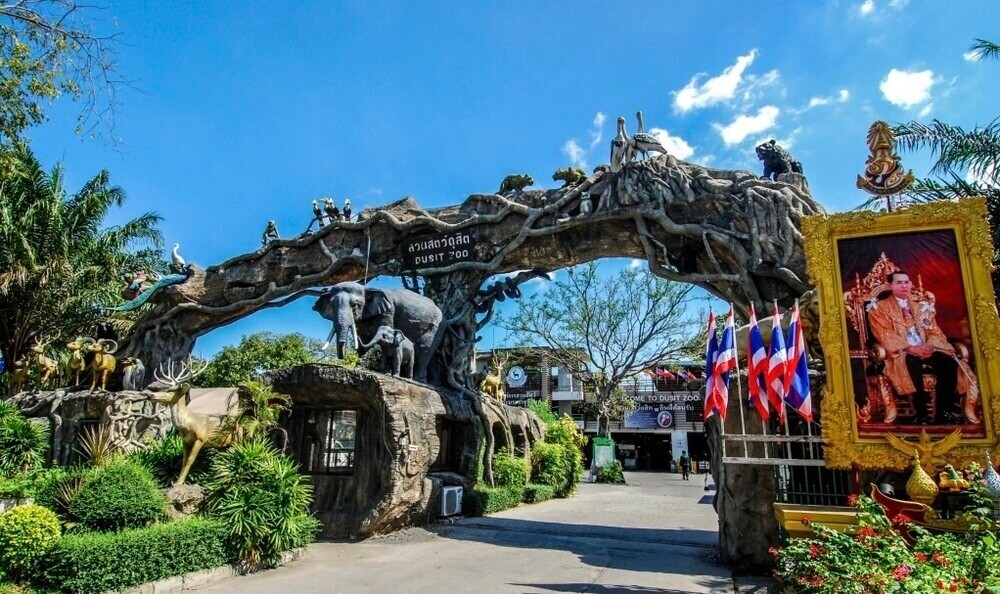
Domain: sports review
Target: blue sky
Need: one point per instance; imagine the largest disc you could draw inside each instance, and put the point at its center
(244, 112)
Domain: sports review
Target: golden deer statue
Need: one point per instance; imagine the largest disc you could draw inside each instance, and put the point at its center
(19, 377)
(76, 364)
(492, 384)
(103, 363)
(197, 430)
(45, 365)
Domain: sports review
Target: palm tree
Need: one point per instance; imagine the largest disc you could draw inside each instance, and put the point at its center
(57, 264)
(967, 161)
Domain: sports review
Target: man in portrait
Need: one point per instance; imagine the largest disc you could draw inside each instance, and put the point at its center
(906, 327)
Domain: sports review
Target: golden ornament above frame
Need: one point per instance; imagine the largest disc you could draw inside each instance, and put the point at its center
(840, 250)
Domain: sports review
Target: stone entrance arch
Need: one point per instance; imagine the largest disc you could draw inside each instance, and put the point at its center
(735, 235)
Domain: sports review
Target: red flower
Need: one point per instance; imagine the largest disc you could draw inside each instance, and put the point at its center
(852, 500)
(900, 520)
(774, 551)
(864, 532)
(940, 559)
(815, 550)
(922, 557)
(901, 572)
(806, 520)
(940, 585)
(953, 588)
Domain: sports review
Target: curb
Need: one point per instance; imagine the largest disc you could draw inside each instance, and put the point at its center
(197, 579)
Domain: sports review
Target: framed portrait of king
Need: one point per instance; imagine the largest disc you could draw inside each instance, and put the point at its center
(909, 331)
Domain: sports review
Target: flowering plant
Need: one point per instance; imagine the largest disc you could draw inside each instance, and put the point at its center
(876, 559)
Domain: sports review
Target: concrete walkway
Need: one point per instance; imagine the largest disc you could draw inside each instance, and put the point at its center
(657, 534)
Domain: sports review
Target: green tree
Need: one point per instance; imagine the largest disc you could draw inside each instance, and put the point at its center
(58, 266)
(967, 162)
(257, 353)
(52, 48)
(615, 326)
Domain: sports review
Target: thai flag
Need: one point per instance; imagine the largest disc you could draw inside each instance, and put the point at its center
(711, 348)
(797, 393)
(665, 374)
(725, 362)
(757, 367)
(777, 366)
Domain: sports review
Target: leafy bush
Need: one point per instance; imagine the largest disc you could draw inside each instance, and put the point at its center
(488, 500)
(23, 444)
(27, 532)
(121, 494)
(611, 473)
(537, 493)
(262, 500)
(510, 470)
(559, 461)
(551, 465)
(54, 488)
(543, 410)
(109, 561)
(6, 588)
(877, 559)
(165, 459)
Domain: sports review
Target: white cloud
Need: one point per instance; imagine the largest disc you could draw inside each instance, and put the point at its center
(898, 4)
(577, 156)
(635, 263)
(926, 111)
(675, 145)
(597, 129)
(971, 56)
(817, 101)
(704, 160)
(867, 7)
(843, 95)
(907, 89)
(696, 95)
(744, 125)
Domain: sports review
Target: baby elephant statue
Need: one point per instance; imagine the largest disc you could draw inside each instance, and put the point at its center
(397, 351)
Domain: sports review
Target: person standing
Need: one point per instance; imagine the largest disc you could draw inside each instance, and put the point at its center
(685, 466)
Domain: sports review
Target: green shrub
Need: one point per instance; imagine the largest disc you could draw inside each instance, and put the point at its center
(611, 473)
(537, 493)
(121, 494)
(23, 444)
(488, 500)
(165, 459)
(543, 410)
(509, 470)
(27, 532)
(559, 460)
(55, 488)
(109, 561)
(551, 465)
(262, 500)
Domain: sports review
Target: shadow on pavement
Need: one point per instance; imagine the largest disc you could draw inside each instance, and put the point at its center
(677, 551)
(601, 589)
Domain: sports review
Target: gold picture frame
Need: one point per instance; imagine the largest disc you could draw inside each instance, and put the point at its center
(954, 239)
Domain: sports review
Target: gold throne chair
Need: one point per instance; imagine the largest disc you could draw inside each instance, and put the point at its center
(881, 403)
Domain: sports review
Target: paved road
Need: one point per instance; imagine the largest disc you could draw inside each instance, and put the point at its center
(657, 534)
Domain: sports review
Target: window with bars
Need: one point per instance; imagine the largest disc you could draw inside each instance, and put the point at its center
(326, 443)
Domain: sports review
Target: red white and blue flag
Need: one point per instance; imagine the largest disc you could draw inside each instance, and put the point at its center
(665, 374)
(711, 348)
(757, 367)
(725, 362)
(797, 393)
(777, 367)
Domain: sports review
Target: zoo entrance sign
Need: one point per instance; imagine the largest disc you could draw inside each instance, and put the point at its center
(432, 251)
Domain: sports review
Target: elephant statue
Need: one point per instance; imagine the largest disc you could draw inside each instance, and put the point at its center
(396, 349)
(352, 307)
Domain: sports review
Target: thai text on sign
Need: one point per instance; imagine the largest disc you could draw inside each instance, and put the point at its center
(432, 251)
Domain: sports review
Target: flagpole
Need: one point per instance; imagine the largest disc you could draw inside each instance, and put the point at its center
(809, 432)
(739, 388)
(784, 413)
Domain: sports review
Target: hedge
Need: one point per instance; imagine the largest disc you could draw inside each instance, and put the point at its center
(488, 500)
(537, 493)
(108, 561)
